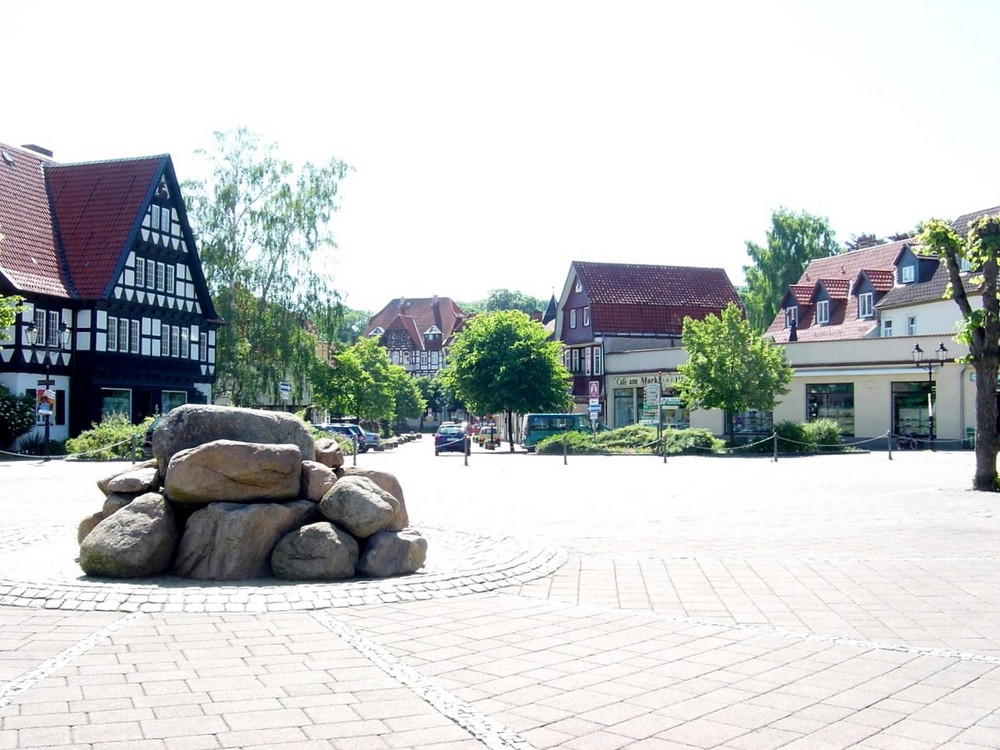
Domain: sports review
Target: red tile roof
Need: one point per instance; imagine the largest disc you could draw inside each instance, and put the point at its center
(640, 299)
(800, 292)
(98, 207)
(67, 228)
(882, 279)
(28, 258)
(416, 316)
(835, 288)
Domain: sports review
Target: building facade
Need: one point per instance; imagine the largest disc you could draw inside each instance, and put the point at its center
(117, 317)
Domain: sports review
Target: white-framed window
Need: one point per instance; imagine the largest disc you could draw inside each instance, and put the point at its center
(578, 286)
(164, 340)
(586, 316)
(123, 334)
(435, 358)
(589, 361)
(140, 271)
(171, 400)
(791, 316)
(823, 312)
(907, 274)
(133, 336)
(40, 326)
(911, 325)
(203, 347)
(185, 342)
(598, 362)
(150, 275)
(112, 345)
(170, 279)
(887, 328)
(54, 339)
(154, 216)
(161, 274)
(865, 307)
(165, 219)
(576, 361)
(175, 341)
(572, 318)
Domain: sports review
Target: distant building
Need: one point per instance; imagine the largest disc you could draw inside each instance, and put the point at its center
(417, 332)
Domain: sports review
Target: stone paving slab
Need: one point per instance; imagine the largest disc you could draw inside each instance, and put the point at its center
(828, 602)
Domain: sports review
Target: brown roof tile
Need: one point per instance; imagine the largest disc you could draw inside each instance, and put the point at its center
(418, 315)
(640, 299)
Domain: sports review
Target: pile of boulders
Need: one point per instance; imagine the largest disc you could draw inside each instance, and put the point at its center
(234, 494)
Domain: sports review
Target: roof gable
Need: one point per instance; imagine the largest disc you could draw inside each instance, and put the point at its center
(418, 315)
(97, 208)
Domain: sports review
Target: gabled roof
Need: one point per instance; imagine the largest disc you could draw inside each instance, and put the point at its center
(68, 228)
(28, 258)
(416, 316)
(97, 209)
(801, 294)
(881, 279)
(847, 265)
(928, 291)
(629, 299)
(836, 289)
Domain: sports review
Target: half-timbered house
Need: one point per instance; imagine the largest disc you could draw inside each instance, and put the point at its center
(118, 316)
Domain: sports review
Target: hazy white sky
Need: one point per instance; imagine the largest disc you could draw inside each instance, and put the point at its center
(495, 143)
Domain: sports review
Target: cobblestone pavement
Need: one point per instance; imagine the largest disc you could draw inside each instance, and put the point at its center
(821, 602)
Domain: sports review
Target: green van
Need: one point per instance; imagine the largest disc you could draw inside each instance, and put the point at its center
(535, 427)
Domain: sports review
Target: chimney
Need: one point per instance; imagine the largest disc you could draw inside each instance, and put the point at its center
(37, 149)
(402, 305)
(536, 315)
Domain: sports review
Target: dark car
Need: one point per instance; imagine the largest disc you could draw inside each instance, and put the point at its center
(350, 431)
(449, 437)
(147, 439)
(374, 440)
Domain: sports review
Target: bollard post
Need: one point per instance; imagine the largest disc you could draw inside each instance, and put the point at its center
(888, 442)
(663, 447)
(466, 446)
(354, 458)
(565, 448)
(132, 446)
(776, 447)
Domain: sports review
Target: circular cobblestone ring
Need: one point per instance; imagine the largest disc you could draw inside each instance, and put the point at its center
(40, 570)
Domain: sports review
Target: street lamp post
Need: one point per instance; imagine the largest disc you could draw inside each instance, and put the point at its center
(918, 358)
(49, 352)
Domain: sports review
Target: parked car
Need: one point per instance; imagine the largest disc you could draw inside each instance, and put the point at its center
(488, 436)
(147, 439)
(350, 431)
(449, 437)
(374, 440)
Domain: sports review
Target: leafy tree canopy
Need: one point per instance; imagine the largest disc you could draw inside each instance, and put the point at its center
(730, 366)
(10, 306)
(792, 241)
(264, 243)
(503, 362)
(980, 327)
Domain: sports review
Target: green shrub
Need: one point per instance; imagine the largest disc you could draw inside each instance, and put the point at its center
(793, 438)
(633, 438)
(17, 415)
(109, 440)
(34, 445)
(577, 443)
(695, 441)
(824, 434)
(346, 444)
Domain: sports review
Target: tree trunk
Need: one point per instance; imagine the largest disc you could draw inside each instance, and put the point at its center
(510, 430)
(986, 425)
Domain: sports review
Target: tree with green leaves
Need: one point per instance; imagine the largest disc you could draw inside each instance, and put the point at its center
(730, 366)
(504, 299)
(792, 241)
(407, 401)
(264, 241)
(17, 416)
(504, 362)
(980, 325)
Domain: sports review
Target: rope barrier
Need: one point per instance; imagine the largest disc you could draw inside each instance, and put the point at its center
(65, 456)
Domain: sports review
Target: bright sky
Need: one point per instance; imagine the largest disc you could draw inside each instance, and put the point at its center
(493, 143)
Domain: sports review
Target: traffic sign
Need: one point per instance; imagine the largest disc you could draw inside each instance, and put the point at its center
(286, 390)
(595, 390)
(594, 408)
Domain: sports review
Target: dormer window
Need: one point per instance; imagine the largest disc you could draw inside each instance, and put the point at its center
(823, 312)
(866, 307)
(432, 333)
(791, 316)
(907, 274)
(578, 287)
(377, 331)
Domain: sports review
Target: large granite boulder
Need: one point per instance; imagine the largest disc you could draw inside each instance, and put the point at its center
(393, 553)
(138, 540)
(388, 482)
(317, 480)
(329, 453)
(234, 541)
(192, 425)
(135, 482)
(234, 471)
(358, 505)
(317, 551)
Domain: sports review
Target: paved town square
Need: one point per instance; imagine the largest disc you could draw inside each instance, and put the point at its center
(593, 603)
